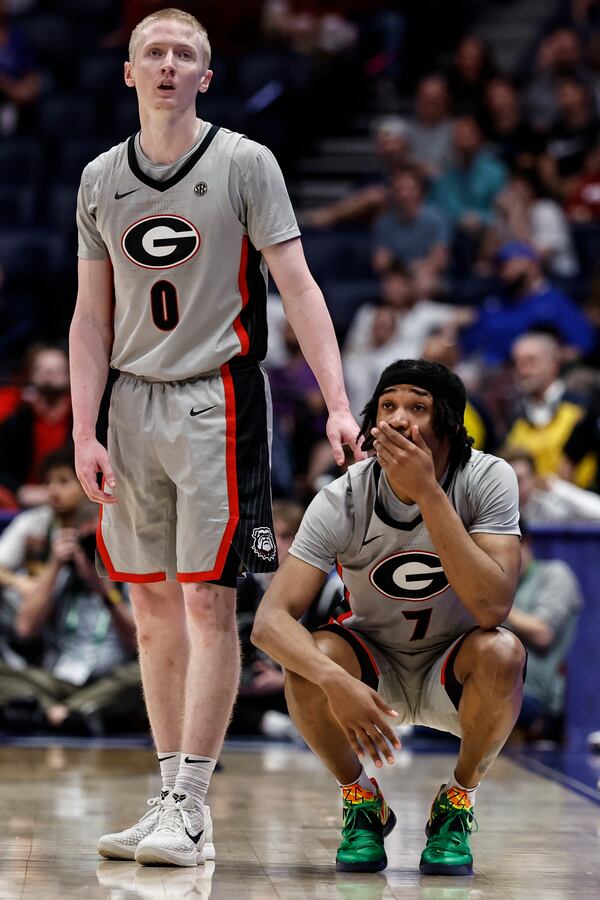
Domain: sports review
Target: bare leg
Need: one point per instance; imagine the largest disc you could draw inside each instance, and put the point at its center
(490, 666)
(159, 614)
(214, 667)
(310, 711)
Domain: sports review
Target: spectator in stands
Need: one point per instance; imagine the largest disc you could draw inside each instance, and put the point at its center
(574, 133)
(466, 191)
(469, 74)
(430, 130)
(583, 194)
(396, 327)
(559, 55)
(544, 615)
(392, 149)
(526, 301)
(442, 346)
(524, 213)
(41, 423)
(546, 413)
(509, 136)
(20, 81)
(87, 675)
(550, 500)
(410, 232)
(584, 442)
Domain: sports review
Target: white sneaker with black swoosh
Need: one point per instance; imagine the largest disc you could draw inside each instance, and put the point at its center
(179, 837)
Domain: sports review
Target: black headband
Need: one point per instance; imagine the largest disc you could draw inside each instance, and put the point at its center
(451, 390)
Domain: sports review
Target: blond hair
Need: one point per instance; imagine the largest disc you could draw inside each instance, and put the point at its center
(179, 16)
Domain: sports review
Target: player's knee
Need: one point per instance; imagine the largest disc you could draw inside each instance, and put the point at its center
(499, 652)
(151, 605)
(338, 650)
(209, 607)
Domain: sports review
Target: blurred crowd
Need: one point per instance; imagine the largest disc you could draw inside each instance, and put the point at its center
(474, 243)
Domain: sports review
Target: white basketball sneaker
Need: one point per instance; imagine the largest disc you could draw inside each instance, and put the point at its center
(179, 836)
(123, 844)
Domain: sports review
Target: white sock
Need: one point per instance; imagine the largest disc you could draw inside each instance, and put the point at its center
(454, 783)
(169, 766)
(193, 776)
(362, 781)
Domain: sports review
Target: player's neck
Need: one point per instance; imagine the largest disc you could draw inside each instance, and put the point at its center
(164, 139)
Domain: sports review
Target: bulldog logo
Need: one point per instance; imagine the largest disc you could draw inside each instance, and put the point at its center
(263, 543)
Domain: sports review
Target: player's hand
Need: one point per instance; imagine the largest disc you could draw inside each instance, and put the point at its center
(90, 458)
(408, 463)
(64, 545)
(362, 714)
(342, 429)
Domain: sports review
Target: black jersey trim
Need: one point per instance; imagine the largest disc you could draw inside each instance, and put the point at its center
(181, 173)
(381, 512)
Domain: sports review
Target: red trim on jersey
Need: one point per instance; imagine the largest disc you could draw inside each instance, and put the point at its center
(114, 574)
(448, 655)
(243, 336)
(232, 485)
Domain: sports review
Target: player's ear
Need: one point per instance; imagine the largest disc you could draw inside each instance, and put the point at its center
(205, 81)
(128, 72)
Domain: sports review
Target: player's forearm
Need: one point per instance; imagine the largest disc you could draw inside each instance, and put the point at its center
(530, 629)
(480, 583)
(288, 642)
(89, 349)
(38, 602)
(309, 317)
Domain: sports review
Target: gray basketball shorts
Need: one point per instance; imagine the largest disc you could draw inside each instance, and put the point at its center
(192, 466)
(421, 687)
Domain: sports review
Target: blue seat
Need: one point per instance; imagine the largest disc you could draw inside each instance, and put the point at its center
(101, 77)
(338, 254)
(21, 162)
(17, 206)
(60, 211)
(66, 116)
(345, 296)
(74, 155)
(30, 251)
(587, 245)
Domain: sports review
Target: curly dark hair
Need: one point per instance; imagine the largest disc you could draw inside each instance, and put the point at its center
(448, 411)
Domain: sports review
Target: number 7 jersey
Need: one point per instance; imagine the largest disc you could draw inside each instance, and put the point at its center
(184, 241)
(397, 593)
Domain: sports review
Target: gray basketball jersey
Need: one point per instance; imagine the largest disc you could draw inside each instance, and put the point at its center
(190, 286)
(397, 593)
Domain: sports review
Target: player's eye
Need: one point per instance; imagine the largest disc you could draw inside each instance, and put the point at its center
(155, 51)
(185, 54)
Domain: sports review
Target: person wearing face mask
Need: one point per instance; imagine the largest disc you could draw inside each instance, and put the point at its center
(526, 300)
(41, 424)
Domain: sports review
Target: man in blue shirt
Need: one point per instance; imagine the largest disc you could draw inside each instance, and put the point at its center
(527, 301)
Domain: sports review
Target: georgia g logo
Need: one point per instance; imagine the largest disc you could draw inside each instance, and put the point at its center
(263, 543)
(160, 242)
(411, 575)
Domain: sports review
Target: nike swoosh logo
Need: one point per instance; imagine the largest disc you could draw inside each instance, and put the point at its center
(364, 543)
(197, 412)
(119, 196)
(162, 758)
(194, 837)
(202, 759)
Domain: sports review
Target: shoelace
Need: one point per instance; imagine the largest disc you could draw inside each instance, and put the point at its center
(351, 816)
(172, 818)
(153, 801)
(468, 825)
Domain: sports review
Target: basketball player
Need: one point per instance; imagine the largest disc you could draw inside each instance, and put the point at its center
(426, 539)
(181, 221)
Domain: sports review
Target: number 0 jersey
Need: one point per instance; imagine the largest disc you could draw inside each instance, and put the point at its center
(397, 593)
(184, 241)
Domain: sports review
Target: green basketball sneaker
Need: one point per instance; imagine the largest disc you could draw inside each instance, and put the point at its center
(367, 819)
(448, 831)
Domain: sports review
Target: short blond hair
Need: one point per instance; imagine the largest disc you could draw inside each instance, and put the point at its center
(180, 16)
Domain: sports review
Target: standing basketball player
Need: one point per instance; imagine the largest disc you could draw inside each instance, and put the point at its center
(181, 221)
(426, 538)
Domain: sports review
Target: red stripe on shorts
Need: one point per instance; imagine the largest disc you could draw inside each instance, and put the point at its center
(232, 485)
(114, 573)
(243, 336)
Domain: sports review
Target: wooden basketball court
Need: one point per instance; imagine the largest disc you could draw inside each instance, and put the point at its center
(276, 815)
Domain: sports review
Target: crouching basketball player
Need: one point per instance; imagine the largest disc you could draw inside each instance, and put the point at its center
(425, 534)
